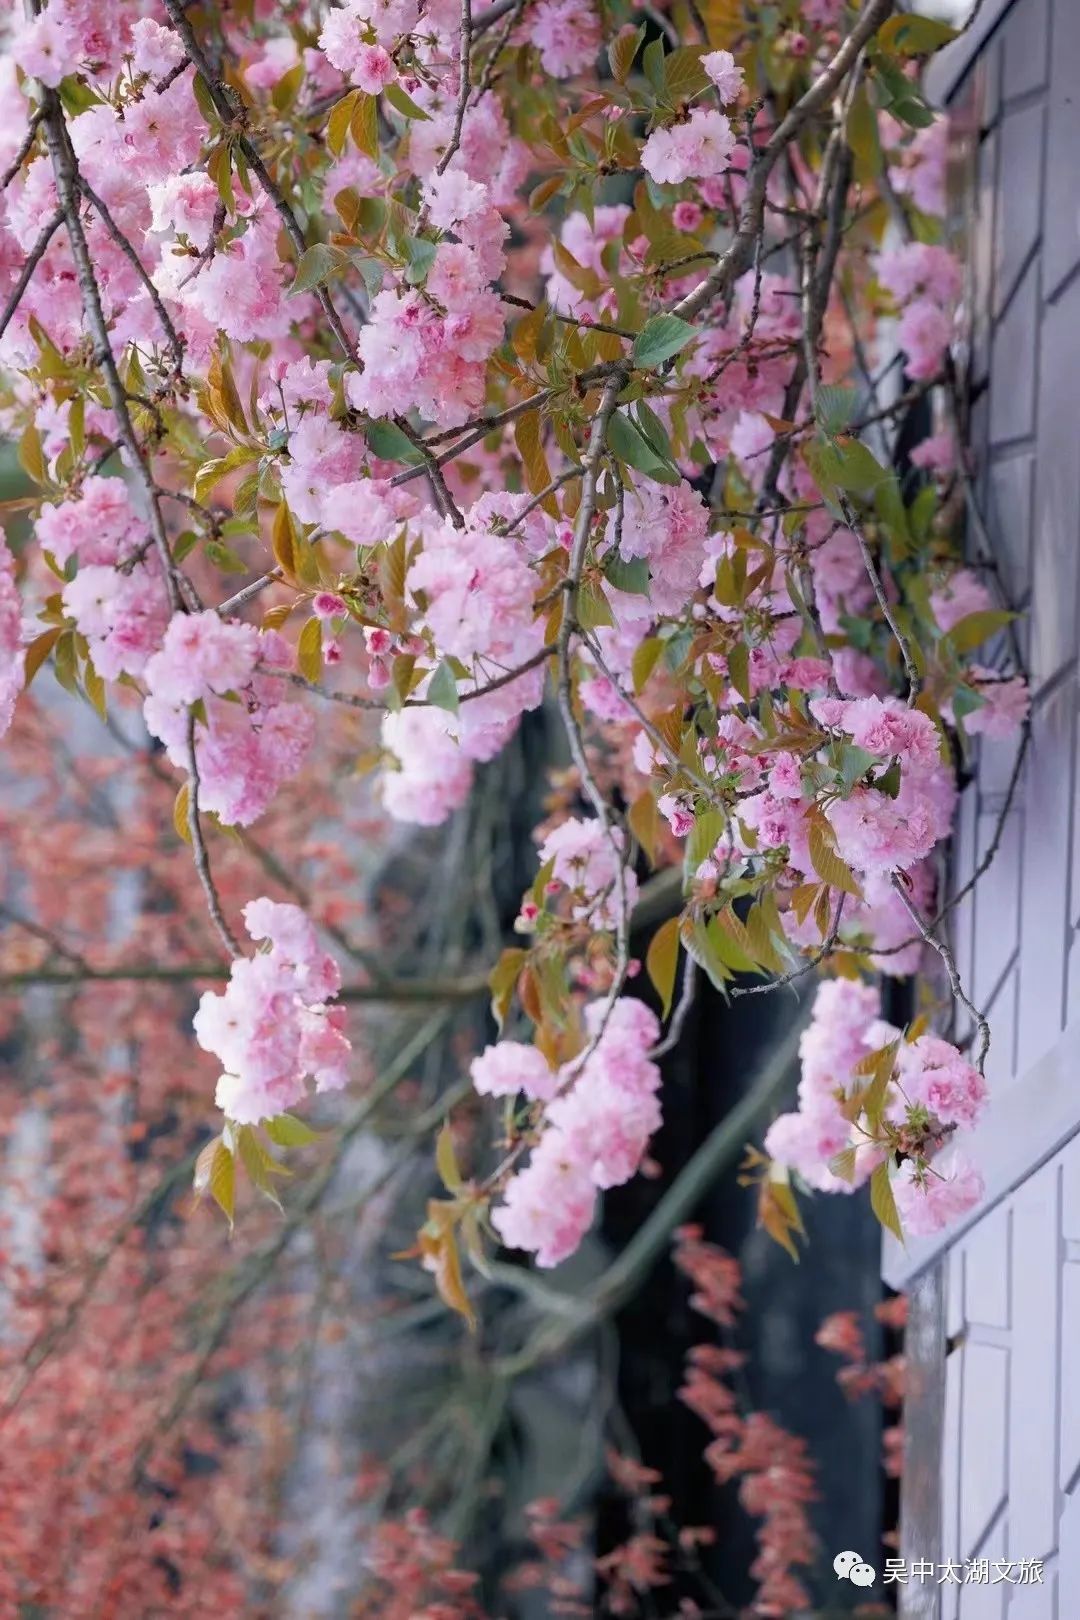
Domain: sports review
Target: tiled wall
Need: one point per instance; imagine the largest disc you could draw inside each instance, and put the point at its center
(1016, 939)
(1011, 1437)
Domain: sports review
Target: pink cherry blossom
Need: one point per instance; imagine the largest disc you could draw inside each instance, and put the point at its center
(155, 50)
(47, 48)
(962, 594)
(725, 74)
(948, 1190)
(1005, 707)
(584, 861)
(202, 653)
(509, 1067)
(700, 148)
(567, 35)
(270, 1028)
(933, 1073)
(924, 333)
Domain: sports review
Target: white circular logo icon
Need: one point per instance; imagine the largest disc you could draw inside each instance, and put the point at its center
(862, 1575)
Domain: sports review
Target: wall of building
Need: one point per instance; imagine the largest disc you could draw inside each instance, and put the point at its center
(995, 1442)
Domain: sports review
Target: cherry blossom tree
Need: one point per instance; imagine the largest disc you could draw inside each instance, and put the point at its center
(381, 375)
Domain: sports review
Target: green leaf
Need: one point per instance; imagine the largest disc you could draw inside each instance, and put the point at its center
(215, 1173)
(404, 103)
(39, 650)
(883, 1203)
(316, 264)
(645, 660)
(593, 609)
(730, 942)
(835, 408)
(32, 455)
(647, 421)
(914, 36)
(759, 932)
(854, 764)
(622, 50)
(630, 445)
(738, 662)
(889, 780)
(260, 1165)
(337, 125)
(653, 63)
(700, 945)
(387, 441)
(660, 338)
(64, 661)
(975, 628)
(846, 464)
(842, 1164)
(288, 1131)
(421, 257)
(309, 650)
(502, 981)
(364, 124)
(632, 576)
(446, 1160)
(181, 813)
(661, 961)
(709, 827)
(684, 76)
(827, 863)
(966, 699)
(878, 1068)
(442, 690)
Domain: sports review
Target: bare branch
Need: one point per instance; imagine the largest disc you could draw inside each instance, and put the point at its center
(33, 259)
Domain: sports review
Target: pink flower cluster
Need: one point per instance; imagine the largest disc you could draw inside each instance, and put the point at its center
(668, 525)
(270, 1028)
(122, 614)
(99, 526)
(925, 281)
(427, 350)
(878, 829)
(833, 1043)
(927, 1201)
(567, 34)
(875, 832)
(596, 1131)
(935, 1092)
(584, 862)
(248, 741)
(699, 149)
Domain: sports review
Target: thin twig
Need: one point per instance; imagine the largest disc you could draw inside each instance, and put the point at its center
(172, 336)
(24, 150)
(198, 845)
(33, 259)
(945, 952)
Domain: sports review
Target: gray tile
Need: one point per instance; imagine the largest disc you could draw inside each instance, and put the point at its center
(1033, 1368)
(1044, 887)
(1056, 537)
(1062, 227)
(1024, 38)
(1009, 487)
(1019, 197)
(1013, 359)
